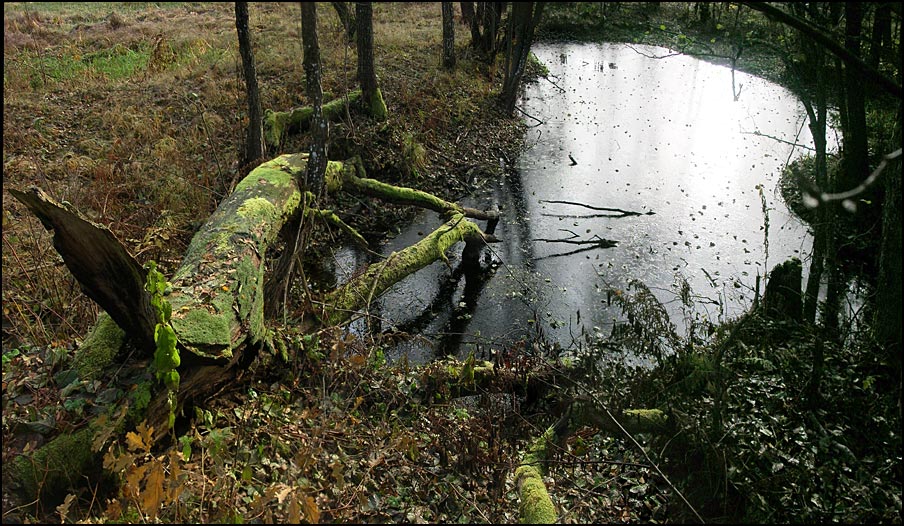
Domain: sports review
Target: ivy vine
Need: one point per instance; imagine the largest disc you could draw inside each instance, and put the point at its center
(166, 355)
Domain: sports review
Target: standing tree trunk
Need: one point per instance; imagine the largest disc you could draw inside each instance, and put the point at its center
(276, 288)
(523, 21)
(319, 126)
(881, 33)
(448, 36)
(367, 76)
(346, 18)
(889, 303)
(467, 12)
(474, 21)
(255, 149)
(856, 160)
(492, 12)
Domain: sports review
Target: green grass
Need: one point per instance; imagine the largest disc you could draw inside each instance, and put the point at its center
(116, 63)
(86, 8)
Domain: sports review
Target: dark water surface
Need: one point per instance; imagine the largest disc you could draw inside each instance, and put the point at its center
(613, 129)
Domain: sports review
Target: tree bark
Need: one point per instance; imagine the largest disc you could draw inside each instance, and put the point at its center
(316, 166)
(346, 18)
(254, 140)
(467, 12)
(782, 299)
(448, 36)
(107, 273)
(367, 76)
(856, 151)
(524, 19)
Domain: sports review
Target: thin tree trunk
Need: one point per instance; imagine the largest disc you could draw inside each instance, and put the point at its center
(319, 126)
(346, 18)
(448, 35)
(524, 19)
(856, 153)
(367, 76)
(255, 149)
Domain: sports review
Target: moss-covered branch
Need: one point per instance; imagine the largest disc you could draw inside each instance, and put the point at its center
(536, 506)
(279, 123)
(409, 196)
(340, 304)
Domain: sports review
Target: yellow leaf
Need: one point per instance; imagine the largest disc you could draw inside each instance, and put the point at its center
(294, 512)
(147, 434)
(152, 496)
(135, 443)
(133, 481)
(63, 509)
(311, 511)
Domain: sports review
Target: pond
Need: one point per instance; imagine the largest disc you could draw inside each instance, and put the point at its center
(637, 168)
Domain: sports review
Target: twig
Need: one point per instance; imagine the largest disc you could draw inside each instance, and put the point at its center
(528, 115)
(795, 144)
(600, 208)
(864, 186)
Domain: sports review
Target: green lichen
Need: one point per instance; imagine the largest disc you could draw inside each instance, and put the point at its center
(414, 156)
(249, 298)
(54, 468)
(377, 106)
(99, 348)
(257, 209)
(201, 330)
(380, 276)
(647, 418)
(536, 506)
(403, 195)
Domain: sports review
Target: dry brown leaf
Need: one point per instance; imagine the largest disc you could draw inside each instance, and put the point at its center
(63, 509)
(152, 496)
(311, 510)
(134, 442)
(294, 512)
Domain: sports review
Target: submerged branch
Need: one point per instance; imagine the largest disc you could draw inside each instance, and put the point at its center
(624, 213)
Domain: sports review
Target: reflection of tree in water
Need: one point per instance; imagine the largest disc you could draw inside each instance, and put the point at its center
(476, 276)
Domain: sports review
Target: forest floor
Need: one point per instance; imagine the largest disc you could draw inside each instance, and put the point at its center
(135, 114)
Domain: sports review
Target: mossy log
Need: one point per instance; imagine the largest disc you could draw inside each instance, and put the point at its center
(216, 295)
(377, 278)
(279, 123)
(536, 505)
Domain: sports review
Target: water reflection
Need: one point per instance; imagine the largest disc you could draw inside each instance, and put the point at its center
(664, 139)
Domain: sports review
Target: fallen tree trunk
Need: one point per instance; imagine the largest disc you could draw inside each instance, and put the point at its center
(217, 301)
(278, 123)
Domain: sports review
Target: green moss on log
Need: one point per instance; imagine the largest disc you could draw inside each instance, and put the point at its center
(536, 506)
(55, 467)
(279, 123)
(378, 277)
(100, 348)
(401, 194)
(376, 106)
